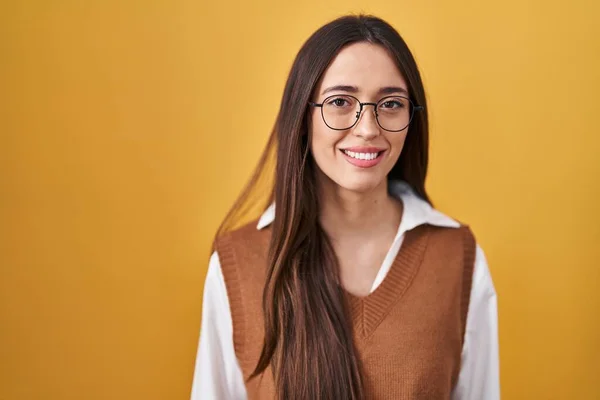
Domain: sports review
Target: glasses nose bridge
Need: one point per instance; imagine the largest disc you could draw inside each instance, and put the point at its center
(362, 105)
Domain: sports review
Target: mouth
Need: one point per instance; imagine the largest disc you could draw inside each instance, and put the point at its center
(362, 155)
(365, 158)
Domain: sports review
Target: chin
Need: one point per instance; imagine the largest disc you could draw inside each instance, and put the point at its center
(360, 184)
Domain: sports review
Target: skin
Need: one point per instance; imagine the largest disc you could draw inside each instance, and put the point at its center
(357, 212)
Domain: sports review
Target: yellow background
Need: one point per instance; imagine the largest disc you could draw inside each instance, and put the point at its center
(127, 129)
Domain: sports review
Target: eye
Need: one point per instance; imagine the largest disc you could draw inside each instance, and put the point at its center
(339, 102)
(392, 104)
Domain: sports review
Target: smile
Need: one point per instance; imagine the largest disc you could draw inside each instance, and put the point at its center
(363, 159)
(362, 156)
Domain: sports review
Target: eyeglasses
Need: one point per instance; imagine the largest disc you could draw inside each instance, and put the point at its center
(341, 112)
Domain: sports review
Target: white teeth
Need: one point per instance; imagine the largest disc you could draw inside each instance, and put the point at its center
(361, 156)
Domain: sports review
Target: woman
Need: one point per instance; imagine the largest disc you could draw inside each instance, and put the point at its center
(350, 285)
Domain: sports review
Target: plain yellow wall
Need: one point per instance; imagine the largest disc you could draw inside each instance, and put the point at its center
(127, 129)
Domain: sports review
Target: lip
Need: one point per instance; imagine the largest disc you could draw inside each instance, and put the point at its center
(364, 163)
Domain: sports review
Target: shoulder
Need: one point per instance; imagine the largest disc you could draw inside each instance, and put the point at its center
(243, 250)
(245, 235)
(453, 242)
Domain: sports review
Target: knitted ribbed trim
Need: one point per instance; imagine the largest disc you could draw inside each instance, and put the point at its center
(227, 258)
(469, 261)
(368, 311)
(469, 248)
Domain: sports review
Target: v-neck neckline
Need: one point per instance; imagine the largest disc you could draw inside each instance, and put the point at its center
(368, 311)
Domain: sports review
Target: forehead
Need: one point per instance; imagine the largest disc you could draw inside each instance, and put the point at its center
(364, 65)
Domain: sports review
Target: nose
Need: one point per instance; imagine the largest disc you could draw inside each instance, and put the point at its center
(367, 126)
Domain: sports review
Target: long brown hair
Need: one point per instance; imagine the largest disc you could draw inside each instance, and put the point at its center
(308, 337)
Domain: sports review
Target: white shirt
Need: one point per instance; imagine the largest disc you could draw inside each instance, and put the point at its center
(218, 375)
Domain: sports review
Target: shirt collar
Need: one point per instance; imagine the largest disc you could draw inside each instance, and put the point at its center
(416, 210)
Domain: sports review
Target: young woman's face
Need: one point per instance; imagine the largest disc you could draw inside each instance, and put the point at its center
(358, 158)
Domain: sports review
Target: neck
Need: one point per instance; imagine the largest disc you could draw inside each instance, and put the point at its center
(344, 212)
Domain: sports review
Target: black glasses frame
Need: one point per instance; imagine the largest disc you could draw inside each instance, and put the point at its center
(413, 107)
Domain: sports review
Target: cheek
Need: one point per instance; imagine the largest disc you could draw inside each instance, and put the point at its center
(396, 143)
(323, 142)
(323, 146)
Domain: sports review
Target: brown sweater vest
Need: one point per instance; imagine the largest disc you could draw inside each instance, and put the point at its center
(408, 332)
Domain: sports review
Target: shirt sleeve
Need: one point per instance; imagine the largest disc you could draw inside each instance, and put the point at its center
(217, 374)
(479, 374)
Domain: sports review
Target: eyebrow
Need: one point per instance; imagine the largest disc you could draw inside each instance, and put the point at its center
(354, 89)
